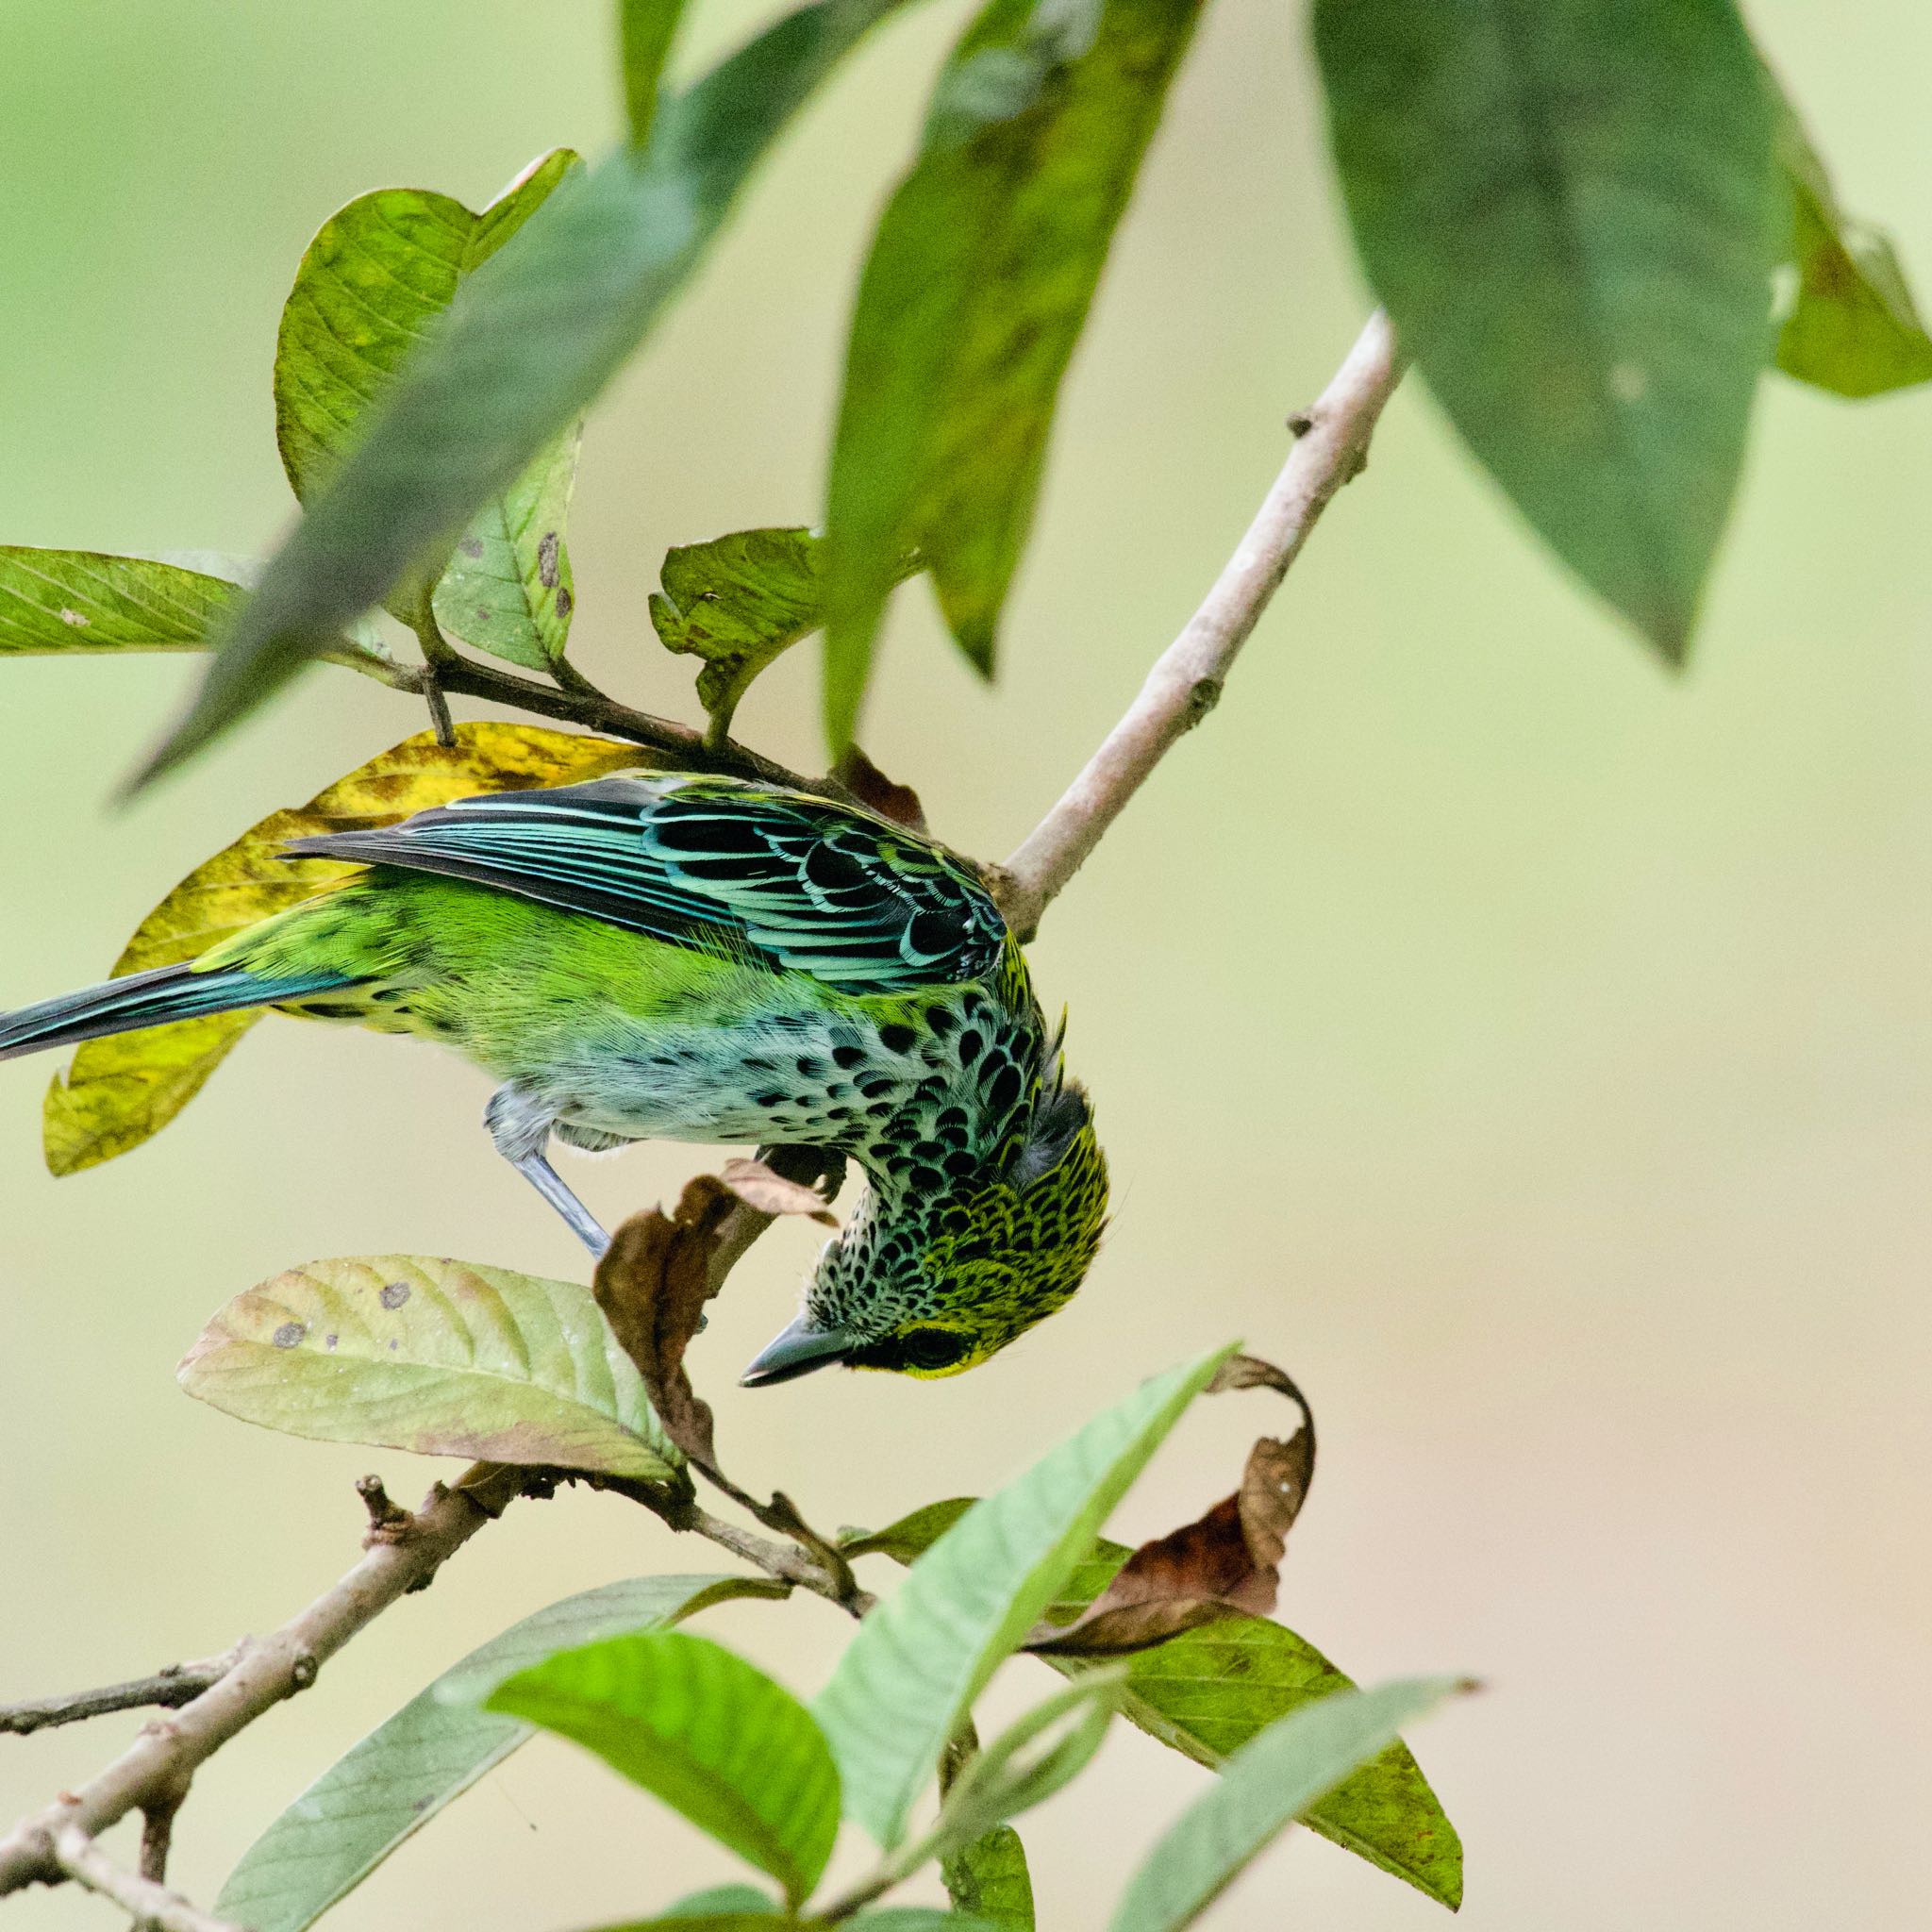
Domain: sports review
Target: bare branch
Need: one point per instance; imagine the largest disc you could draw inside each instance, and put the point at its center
(155, 1770)
(169, 1688)
(80, 1858)
(1186, 682)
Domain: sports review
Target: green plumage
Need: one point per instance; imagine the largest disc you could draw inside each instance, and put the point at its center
(701, 959)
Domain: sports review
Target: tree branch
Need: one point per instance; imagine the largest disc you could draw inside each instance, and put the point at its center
(1331, 447)
(155, 1770)
(152, 1905)
(170, 1688)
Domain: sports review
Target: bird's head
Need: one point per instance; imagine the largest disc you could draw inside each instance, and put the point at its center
(931, 1284)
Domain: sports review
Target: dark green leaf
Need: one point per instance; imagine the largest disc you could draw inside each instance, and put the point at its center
(1853, 328)
(416, 1352)
(707, 1732)
(911, 1674)
(646, 31)
(976, 291)
(541, 327)
(430, 1752)
(1572, 212)
(988, 1878)
(1260, 1791)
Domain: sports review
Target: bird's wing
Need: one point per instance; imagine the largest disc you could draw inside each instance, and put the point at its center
(795, 881)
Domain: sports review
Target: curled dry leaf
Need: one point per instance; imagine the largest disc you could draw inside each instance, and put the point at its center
(1227, 1564)
(653, 1284)
(759, 1186)
(877, 792)
(661, 1270)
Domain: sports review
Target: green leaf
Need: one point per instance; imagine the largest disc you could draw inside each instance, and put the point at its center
(707, 1732)
(738, 602)
(893, 1919)
(541, 329)
(979, 283)
(1572, 212)
(508, 587)
(411, 1352)
(646, 30)
(989, 1879)
(1260, 1791)
(911, 1536)
(724, 1918)
(1853, 328)
(375, 283)
(1206, 1692)
(1017, 1771)
(721, 1898)
(118, 1091)
(916, 1919)
(911, 1674)
(398, 1778)
(85, 600)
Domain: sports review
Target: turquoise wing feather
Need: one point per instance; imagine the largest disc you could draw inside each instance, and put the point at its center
(798, 883)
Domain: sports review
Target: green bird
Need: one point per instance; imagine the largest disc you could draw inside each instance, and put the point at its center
(700, 958)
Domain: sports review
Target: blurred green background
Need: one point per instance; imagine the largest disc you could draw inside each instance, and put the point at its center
(1531, 1051)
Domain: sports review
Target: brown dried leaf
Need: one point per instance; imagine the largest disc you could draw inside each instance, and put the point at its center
(759, 1186)
(653, 1286)
(1227, 1564)
(876, 791)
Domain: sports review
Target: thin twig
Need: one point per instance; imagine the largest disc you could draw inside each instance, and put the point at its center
(1186, 682)
(156, 1767)
(80, 1858)
(157, 1835)
(171, 1688)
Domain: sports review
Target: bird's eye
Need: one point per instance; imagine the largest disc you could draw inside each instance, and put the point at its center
(933, 1348)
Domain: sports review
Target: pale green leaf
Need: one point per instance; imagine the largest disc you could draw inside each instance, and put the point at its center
(709, 1734)
(1853, 328)
(119, 1091)
(85, 600)
(398, 1778)
(411, 1352)
(1039, 1754)
(541, 329)
(1262, 1788)
(508, 587)
(1571, 212)
(911, 1672)
(978, 286)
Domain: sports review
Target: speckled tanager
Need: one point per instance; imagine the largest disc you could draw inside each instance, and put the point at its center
(700, 959)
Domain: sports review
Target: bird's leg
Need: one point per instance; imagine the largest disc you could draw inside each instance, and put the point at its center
(520, 1125)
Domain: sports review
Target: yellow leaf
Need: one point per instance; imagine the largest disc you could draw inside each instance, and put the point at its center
(120, 1090)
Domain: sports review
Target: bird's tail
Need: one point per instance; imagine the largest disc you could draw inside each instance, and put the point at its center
(149, 999)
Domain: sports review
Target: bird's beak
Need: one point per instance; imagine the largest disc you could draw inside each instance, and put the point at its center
(797, 1351)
